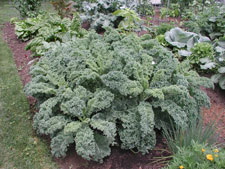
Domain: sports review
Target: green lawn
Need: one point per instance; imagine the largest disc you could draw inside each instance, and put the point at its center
(19, 147)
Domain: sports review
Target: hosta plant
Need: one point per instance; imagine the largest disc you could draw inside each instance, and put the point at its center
(98, 91)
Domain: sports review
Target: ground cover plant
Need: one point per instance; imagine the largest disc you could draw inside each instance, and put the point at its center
(100, 91)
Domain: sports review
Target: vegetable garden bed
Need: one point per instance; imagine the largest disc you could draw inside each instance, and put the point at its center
(119, 159)
(125, 93)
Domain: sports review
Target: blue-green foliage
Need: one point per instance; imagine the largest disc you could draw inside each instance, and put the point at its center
(93, 88)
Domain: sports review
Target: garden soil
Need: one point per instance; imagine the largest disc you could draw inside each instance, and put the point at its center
(119, 159)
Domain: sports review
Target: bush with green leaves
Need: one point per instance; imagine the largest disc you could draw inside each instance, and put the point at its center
(98, 91)
(27, 8)
(199, 156)
(47, 28)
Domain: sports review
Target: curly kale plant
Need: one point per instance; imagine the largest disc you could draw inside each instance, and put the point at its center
(97, 88)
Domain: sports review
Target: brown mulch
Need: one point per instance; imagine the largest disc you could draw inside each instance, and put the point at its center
(216, 113)
(119, 159)
(20, 55)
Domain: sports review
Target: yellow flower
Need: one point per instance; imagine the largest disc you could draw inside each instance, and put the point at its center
(216, 155)
(181, 167)
(209, 157)
(216, 151)
(203, 150)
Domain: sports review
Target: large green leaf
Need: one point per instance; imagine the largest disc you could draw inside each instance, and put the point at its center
(91, 146)
(181, 39)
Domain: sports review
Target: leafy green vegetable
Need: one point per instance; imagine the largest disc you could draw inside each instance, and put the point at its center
(202, 53)
(179, 38)
(46, 28)
(96, 88)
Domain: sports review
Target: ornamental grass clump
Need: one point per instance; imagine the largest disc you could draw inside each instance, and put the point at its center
(98, 91)
(182, 136)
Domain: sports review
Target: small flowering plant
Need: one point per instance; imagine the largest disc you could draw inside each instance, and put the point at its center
(198, 156)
